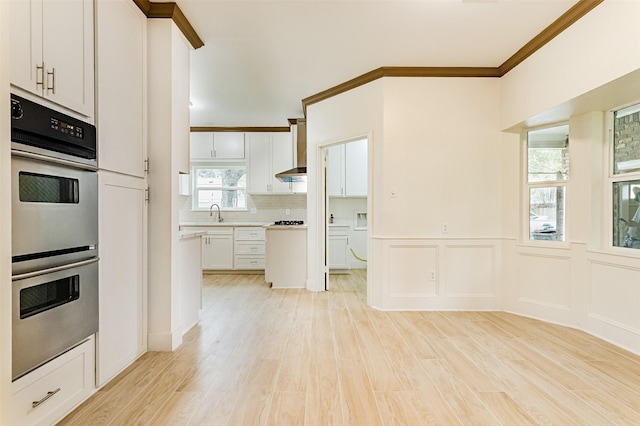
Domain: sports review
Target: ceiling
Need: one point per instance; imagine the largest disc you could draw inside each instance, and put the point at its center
(261, 58)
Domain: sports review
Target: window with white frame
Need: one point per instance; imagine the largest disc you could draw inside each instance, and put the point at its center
(625, 177)
(221, 184)
(547, 173)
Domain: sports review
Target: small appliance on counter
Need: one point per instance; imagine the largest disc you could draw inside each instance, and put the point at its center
(288, 223)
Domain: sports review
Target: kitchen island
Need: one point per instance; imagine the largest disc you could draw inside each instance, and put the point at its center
(286, 256)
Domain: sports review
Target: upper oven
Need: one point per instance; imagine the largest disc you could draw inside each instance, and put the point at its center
(54, 188)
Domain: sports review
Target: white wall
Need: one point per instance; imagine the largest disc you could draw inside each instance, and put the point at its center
(599, 48)
(349, 116)
(168, 77)
(5, 221)
(441, 166)
(435, 158)
(590, 68)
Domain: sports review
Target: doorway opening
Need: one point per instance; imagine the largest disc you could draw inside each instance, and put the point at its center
(347, 216)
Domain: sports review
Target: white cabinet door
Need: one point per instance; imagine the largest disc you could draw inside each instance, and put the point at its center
(335, 171)
(201, 146)
(58, 35)
(217, 146)
(258, 163)
(338, 247)
(121, 89)
(123, 251)
(281, 160)
(217, 251)
(268, 154)
(228, 145)
(26, 45)
(338, 252)
(355, 169)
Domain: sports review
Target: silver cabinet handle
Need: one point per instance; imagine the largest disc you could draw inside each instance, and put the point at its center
(51, 88)
(34, 404)
(41, 69)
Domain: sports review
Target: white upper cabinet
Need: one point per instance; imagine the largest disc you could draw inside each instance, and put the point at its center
(269, 153)
(347, 170)
(355, 168)
(335, 171)
(52, 51)
(217, 145)
(121, 60)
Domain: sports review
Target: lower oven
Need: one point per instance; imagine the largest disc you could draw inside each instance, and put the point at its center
(53, 310)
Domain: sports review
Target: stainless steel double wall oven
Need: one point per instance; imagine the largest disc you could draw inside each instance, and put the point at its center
(54, 233)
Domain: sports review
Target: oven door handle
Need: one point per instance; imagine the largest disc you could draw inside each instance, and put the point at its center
(55, 160)
(54, 269)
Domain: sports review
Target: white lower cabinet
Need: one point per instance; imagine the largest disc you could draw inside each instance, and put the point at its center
(217, 248)
(48, 393)
(249, 248)
(122, 335)
(231, 248)
(338, 248)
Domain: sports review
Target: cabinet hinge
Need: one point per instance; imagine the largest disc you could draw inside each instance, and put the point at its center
(146, 195)
(146, 165)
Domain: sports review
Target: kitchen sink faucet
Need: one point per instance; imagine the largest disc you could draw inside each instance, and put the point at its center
(220, 219)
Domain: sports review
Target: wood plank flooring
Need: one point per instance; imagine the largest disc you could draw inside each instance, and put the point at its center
(291, 357)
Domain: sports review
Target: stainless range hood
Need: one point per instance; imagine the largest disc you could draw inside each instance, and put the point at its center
(298, 173)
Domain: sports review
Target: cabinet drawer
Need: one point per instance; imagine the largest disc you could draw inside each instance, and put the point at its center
(252, 234)
(68, 379)
(218, 230)
(249, 247)
(249, 262)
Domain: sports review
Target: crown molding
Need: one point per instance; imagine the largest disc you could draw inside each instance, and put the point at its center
(577, 11)
(570, 17)
(255, 129)
(171, 10)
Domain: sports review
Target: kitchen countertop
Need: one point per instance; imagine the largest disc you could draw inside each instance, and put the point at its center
(285, 227)
(229, 224)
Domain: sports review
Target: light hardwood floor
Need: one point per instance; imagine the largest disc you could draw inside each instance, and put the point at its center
(291, 357)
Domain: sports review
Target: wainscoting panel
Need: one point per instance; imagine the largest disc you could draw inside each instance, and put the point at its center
(614, 295)
(405, 278)
(544, 280)
(470, 271)
(429, 274)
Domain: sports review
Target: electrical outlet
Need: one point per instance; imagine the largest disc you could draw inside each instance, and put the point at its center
(287, 212)
(445, 228)
(432, 275)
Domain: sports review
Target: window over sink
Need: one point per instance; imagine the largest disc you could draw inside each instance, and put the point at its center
(221, 184)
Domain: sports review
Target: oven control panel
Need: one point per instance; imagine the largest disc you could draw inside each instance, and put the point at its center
(66, 128)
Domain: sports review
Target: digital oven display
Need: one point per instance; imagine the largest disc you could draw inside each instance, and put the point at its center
(66, 128)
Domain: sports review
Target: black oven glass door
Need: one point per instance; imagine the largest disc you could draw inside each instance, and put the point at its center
(52, 311)
(39, 188)
(54, 214)
(49, 295)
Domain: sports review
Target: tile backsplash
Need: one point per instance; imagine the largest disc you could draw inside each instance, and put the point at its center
(269, 208)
